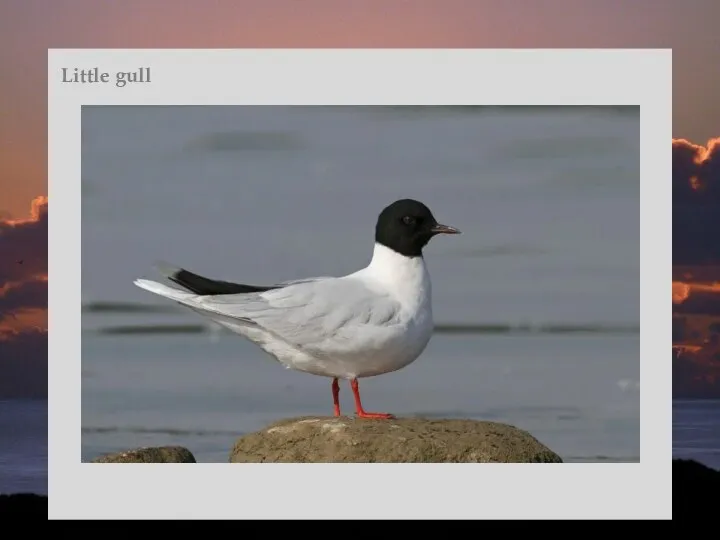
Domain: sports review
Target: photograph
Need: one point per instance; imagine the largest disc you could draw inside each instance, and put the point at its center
(420, 233)
(367, 284)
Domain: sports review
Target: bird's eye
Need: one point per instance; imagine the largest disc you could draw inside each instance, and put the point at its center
(408, 220)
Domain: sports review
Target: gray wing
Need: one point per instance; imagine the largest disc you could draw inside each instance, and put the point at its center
(320, 316)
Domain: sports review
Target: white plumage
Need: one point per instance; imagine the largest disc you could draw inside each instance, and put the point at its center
(370, 322)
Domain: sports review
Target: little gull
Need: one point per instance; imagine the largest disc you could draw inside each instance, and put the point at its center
(370, 322)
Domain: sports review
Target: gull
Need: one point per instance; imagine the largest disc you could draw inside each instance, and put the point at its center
(370, 322)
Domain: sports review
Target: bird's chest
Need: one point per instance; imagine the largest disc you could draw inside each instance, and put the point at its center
(418, 328)
(395, 348)
(403, 341)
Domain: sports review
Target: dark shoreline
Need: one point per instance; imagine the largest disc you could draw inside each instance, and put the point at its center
(693, 481)
(21, 504)
(686, 466)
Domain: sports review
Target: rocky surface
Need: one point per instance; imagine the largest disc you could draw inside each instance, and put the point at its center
(403, 440)
(154, 454)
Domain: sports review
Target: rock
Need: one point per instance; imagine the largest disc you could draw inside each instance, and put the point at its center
(693, 481)
(22, 505)
(403, 440)
(694, 475)
(153, 454)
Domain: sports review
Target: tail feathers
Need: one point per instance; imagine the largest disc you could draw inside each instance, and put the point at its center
(193, 302)
(206, 286)
(164, 290)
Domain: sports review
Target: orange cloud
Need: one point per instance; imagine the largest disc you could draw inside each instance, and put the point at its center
(702, 153)
(701, 156)
(38, 206)
(23, 303)
(696, 202)
(23, 268)
(23, 244)
(681, 291)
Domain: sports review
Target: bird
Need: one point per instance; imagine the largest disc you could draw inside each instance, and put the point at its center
(370, 322)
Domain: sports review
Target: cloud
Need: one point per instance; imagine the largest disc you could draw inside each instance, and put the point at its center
(24, 240)
(23, 262)
(23, 290)
(24, 295)
(23, 364)
(696, 202)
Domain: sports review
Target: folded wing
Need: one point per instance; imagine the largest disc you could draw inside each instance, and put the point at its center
(321, 317)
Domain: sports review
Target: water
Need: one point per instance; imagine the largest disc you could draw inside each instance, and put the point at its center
(695, 430)
(548, 204)
(23, 446)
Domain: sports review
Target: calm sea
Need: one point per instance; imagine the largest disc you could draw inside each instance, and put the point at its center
(696, 430)
(23, 446)
(544, 279)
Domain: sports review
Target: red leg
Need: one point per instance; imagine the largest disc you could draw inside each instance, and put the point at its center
(336, 397)
(358, 404)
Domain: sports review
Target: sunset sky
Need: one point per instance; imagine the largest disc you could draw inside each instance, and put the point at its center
(29, 27)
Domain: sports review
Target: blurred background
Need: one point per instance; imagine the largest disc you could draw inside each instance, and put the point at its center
(536, 303)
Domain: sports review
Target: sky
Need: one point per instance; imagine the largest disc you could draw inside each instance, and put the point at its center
(29, 27)
(696, 202)
(23, 303)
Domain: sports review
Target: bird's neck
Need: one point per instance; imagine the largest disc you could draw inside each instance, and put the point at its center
(405, 277)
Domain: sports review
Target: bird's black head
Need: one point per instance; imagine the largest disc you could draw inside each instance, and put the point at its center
(406, 226)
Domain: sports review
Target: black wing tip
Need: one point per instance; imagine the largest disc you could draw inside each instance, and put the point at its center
(206, 286)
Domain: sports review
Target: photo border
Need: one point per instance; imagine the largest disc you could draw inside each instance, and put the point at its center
(361, 77)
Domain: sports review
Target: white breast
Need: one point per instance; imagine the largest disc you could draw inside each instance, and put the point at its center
(407, 280)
